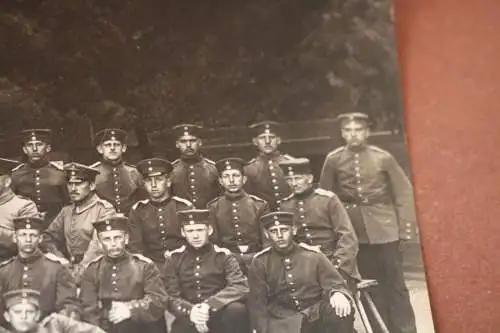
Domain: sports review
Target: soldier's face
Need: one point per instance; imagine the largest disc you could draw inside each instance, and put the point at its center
(232, 180)
(5, 182)
(355, 133)
(111, 150)
(113, 242)
(36, 150)
(22, 316)
(299, 183)
(197, 235)
(27, 240)
(281, 236)
(188, 145)
(157, 186)
(79, 190)
(267, 143)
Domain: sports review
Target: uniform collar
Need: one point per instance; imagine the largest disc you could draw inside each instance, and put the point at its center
(6, 196)
(271, 156)
(286, 252)
(305, 194)
(357, 149)
(39, 164)
(35, 256)
(161, 203)
(89, 202)
(192, 159)
(112, 163)
(234, 196)
(203, 250)
(119, 259)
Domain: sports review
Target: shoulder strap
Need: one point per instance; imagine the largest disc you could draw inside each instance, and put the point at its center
(184, 201)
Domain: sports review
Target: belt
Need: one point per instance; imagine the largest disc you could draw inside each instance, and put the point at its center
(365, 201)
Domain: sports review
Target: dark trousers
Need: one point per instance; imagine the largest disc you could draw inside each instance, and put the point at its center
(329, 322)
(384, 263)
(129, 326)
(231, 319)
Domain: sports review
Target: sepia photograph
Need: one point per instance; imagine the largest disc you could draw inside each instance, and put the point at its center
(205, 167)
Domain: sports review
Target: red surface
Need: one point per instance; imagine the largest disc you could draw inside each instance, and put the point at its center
(449, 60)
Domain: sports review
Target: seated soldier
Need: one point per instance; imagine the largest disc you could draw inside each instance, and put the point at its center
(204, 282)
(294, 287)
(22, 312)
(122, 292)
(235, 216)
(321, 219)
(32, 269)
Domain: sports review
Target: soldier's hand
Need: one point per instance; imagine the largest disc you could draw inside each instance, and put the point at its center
(403, 245)
(119, 312)
(341, 304)
(199, 313)
(202, 328)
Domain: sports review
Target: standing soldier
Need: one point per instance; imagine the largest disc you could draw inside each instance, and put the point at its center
(22, 312)
(378, 197)
(235, 216)
(265, 178)
(45, 273)
(71, 234)
(204, 282)
(117, 182)
(154, 228)
(294, 288)
(11, 206)
(194, 177)
(321, 219)
(122, 292)
(40, 179)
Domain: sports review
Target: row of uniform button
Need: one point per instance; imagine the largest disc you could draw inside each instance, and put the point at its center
(192, 182)
(37, 187)
(274, 180)
(116, 177)
(236, 222)
(291, 284)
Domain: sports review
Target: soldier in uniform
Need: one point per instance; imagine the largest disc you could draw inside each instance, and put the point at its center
(379, 200)
(11, 206)
(117, 182)
(235, 216)
(71, 234)
(23, 314)
(45, 273)
(321, 219)
(154, 228)
(122, 292)
(204, 282)
(265, 178)
(294, 287)
(194, 177)
(39, 179)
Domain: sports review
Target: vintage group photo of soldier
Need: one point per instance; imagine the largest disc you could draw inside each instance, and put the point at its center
(205, 167)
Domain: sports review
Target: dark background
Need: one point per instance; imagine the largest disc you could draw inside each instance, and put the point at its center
(146, 65)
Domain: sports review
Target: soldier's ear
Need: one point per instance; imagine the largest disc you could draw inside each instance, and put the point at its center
(38, 314)
(25, 150)
(126, 238)
(310, 179)
(200, 143)
(124, 148)
(244, 179)
(6, 315)
(99, 149)
(182, 232)
(210, 230)
(49, 148)
(255, 141)
(220, 181)
(92, 186)
(294, 230)
(278, 140)
(14, 237)
(177, 144)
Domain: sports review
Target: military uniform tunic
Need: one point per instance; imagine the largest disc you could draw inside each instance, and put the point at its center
(131, 278)
(120, 184)
(266, 179)
(44, 184)
(377, 194)
(195, 180)
(12, 206)
(44, 273)
(154, 227)
(72, 235)
(322, 220)
(284, 284)
(236, 220)
(210, 274)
